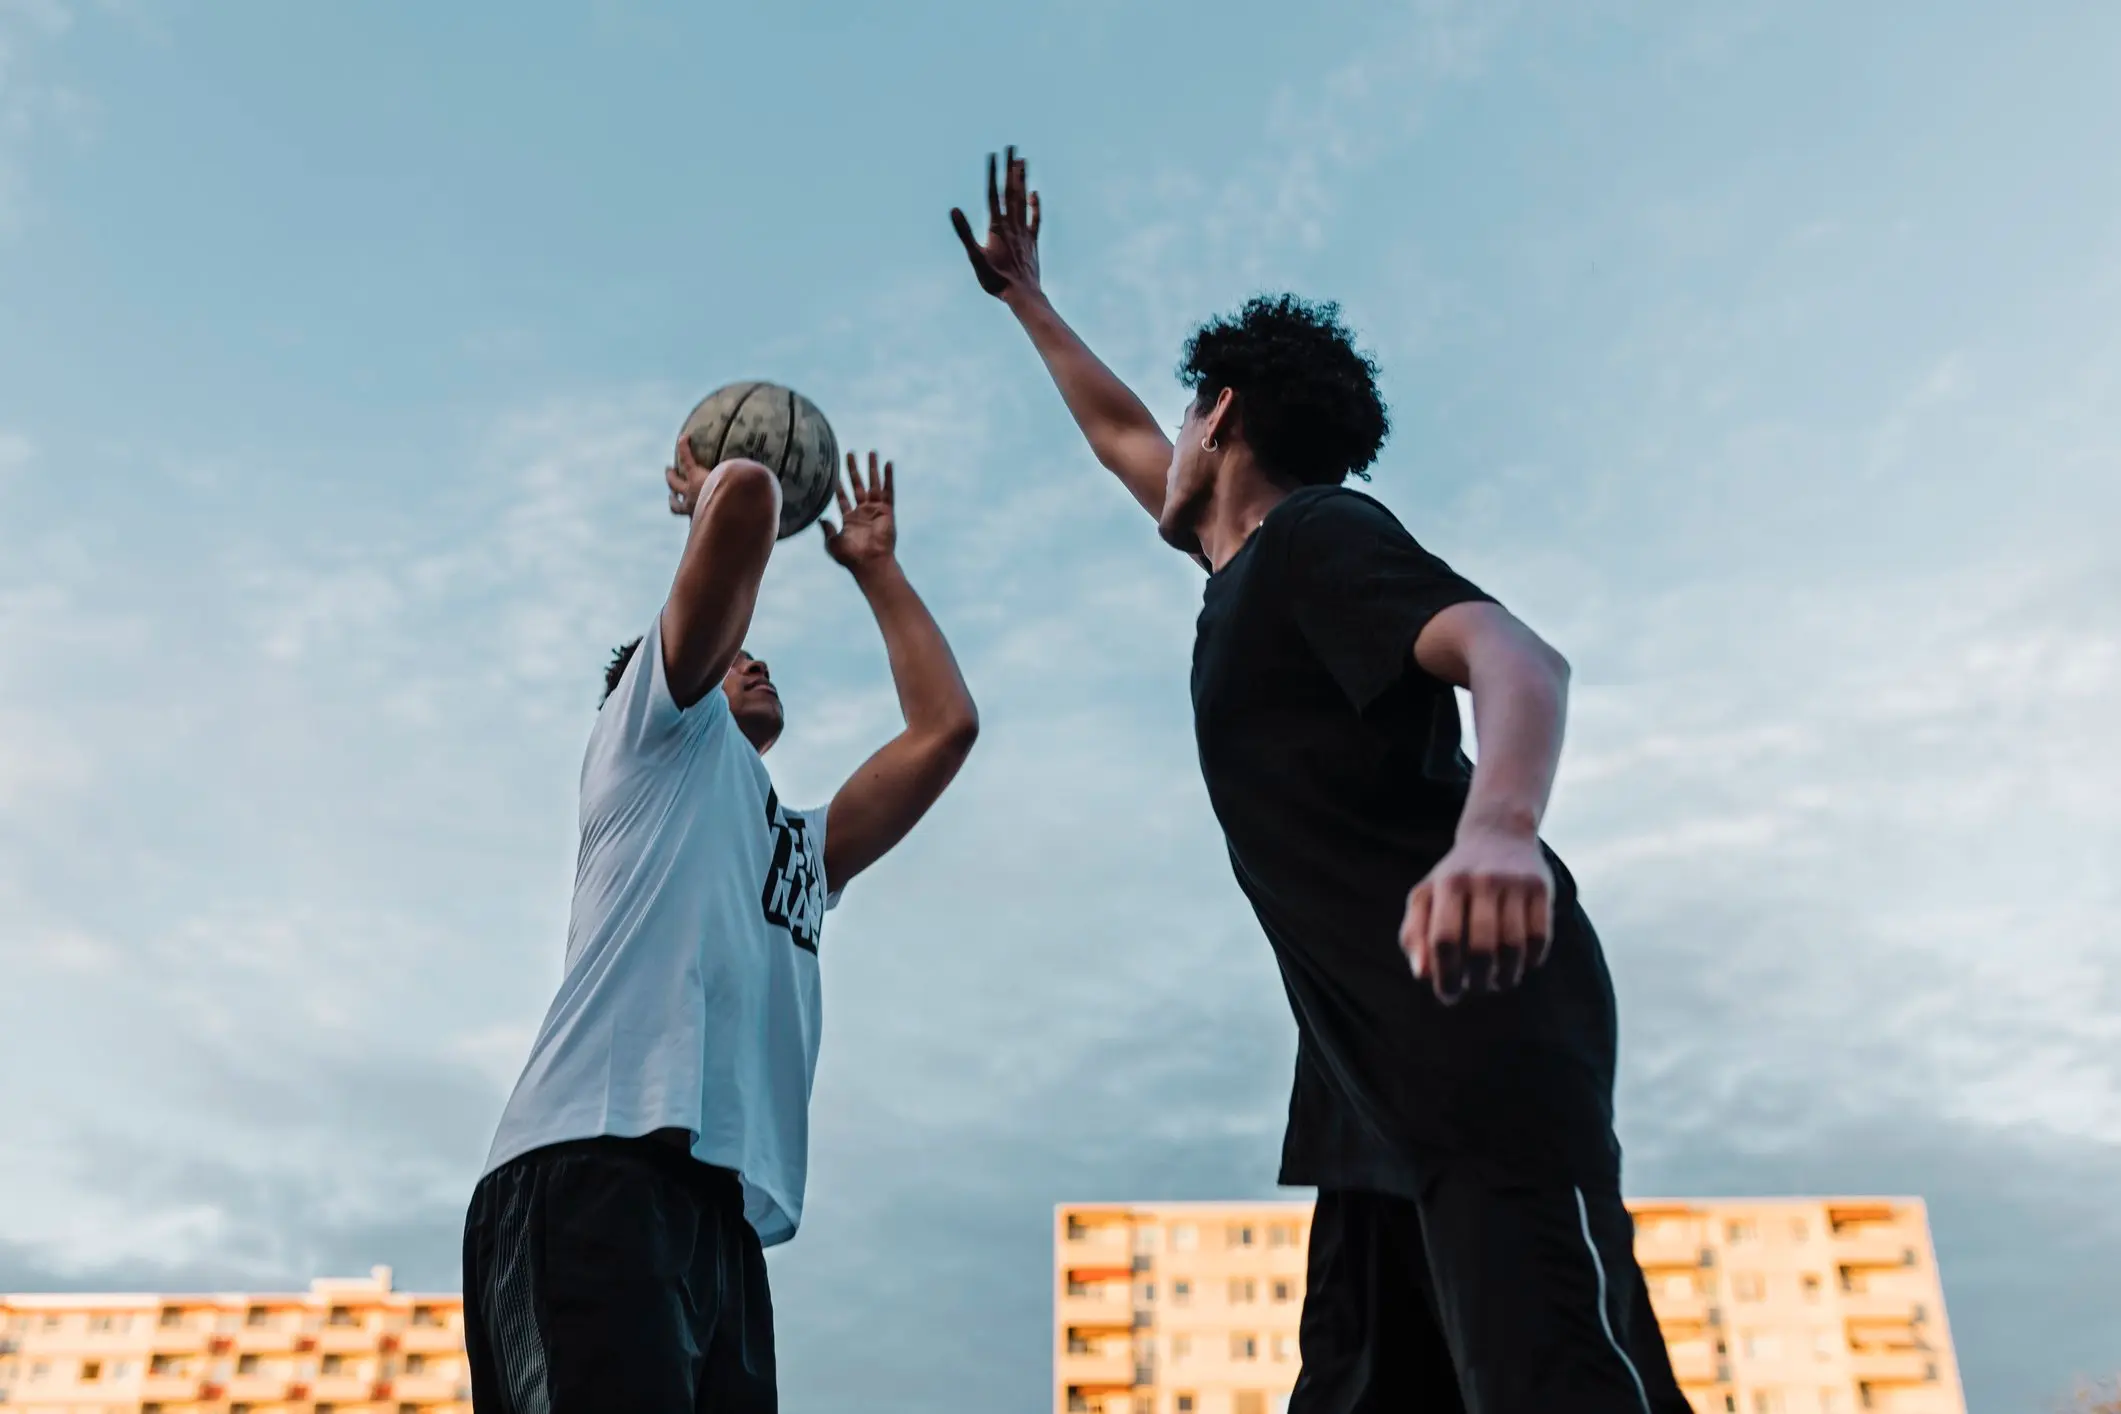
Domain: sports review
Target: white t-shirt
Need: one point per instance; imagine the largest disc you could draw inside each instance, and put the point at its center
(690, 999)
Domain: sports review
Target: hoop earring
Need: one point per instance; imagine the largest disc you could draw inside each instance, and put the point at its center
(1207, 444)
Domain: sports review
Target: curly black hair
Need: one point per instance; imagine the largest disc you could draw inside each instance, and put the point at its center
(1306, 395)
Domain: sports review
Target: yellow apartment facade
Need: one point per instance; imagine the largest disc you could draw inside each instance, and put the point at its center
(1768, 1306)
(352, 1346)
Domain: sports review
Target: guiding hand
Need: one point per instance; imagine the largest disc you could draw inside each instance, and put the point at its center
(1008, 263)
(687, 478)
(1484, 916)
(867, 533)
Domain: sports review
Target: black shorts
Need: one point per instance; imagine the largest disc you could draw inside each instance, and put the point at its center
(615, 1274)
(1487, 1296)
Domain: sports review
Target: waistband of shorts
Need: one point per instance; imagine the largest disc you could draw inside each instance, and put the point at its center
(666, 1150)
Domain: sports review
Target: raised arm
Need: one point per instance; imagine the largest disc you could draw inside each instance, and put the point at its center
(735, 510)
(1120, 429)
(886, 797)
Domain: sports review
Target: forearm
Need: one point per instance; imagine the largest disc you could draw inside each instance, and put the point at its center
(1520, 712)
(931, 691)
(1121, 430)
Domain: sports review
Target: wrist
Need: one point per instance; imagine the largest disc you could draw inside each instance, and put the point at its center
(1025, 301)
(877, 573)
(1504, 820)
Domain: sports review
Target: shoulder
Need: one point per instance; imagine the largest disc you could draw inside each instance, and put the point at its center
(1319, 513)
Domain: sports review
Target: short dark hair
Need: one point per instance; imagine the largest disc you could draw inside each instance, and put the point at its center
(1307, 396)
(620, 657)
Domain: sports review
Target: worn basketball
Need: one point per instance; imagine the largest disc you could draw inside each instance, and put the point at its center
(779, 427)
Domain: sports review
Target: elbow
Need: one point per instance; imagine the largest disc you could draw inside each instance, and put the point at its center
(1556, 665)
(961, 732)
(747, 491)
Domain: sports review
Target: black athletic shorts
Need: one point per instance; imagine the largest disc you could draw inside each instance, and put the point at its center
(1490, 1295)
(614, 1275)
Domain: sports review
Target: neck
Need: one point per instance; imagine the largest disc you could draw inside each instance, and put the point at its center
(1242, 497)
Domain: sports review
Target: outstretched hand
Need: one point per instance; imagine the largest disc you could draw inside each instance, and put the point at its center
(867, 533)
(1007, 264)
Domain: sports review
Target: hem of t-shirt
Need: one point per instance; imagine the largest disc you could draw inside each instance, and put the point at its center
(1399, 1178)
(775, 1223)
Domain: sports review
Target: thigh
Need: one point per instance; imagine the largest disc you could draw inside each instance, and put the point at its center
(1539, 1297)
(615, 1241)
(740, 1375)
(1369, 1336)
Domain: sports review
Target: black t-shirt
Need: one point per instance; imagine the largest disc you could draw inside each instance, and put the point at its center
(1335, 766)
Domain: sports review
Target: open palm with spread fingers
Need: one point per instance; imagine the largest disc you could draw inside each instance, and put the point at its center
(868, 532)
(1007, 264)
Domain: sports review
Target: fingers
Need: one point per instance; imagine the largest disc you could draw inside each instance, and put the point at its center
(839, 488)
(982, 268)
(994, 194)
(1483, 934)
(1414, 932)
(1013, 191)
(890, 493)
(1447, 939)
(1034, 216)
(876, 485)
(1539, 925)
(1513, 927)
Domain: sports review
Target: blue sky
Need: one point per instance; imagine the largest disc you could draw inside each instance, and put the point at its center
(1766, 358)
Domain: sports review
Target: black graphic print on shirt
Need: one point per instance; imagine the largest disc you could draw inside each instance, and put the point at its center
(794, 897)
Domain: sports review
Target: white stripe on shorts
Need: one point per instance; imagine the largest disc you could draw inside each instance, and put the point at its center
(1605, 1320)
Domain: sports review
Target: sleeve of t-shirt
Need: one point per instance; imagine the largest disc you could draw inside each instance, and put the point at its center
(1362, 590)
(642, 712)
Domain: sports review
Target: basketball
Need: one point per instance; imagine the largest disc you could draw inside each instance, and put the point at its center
(778, 427)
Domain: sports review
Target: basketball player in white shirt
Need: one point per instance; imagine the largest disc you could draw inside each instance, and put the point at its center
(657, 1139)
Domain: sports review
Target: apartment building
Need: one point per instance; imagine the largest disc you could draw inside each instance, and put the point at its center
(1768, 1306)
(352, 1346)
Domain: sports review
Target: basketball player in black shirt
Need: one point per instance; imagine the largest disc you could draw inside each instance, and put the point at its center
(1455, 1022)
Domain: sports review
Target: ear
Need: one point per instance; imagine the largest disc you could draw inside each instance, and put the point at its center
(1221, 423)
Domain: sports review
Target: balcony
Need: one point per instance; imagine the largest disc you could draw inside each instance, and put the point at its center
(1680, 1247)
(1878, 1246)
(1105, 1311)
(256, 1388)
(169, 1388)
(264, 1340)
(424, 1388)
(1687, 1308)
(345, 1388)
(1103, 1369)
(1893, 1367)
(1900, 1308)
(346, 1340)
(430, 1340)
(1695, 1362)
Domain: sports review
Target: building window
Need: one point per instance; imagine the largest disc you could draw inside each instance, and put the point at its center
(165, 1365)
(1181, 1346)
(342, 1316)
(99, 1323)
(171, 1317)
(1799, 1232)
(1243, 1291)
(1824, 1345)
(239, 1409)
(1181, 1292)
(1183, 1404)
(334, 1365)
(1730, 1404)
(1748, 1286)
(327, 1409)
(1077, 1229)
(51, 1323)
(424, 1316)
(1811, 1286)
(247, 1365)
(1244, 1347)
(1240, 1235)
(1741, 1231)
(1767, 1401)
(1830, 1401)
(1148, 1293)
(1250, 1401)
(1283, 1290)
(42, 1370)
(122, 1370)
(257, 1316)
(91, 1371)
(1285, 1347)
(416, 1364)
(1185, 1237)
